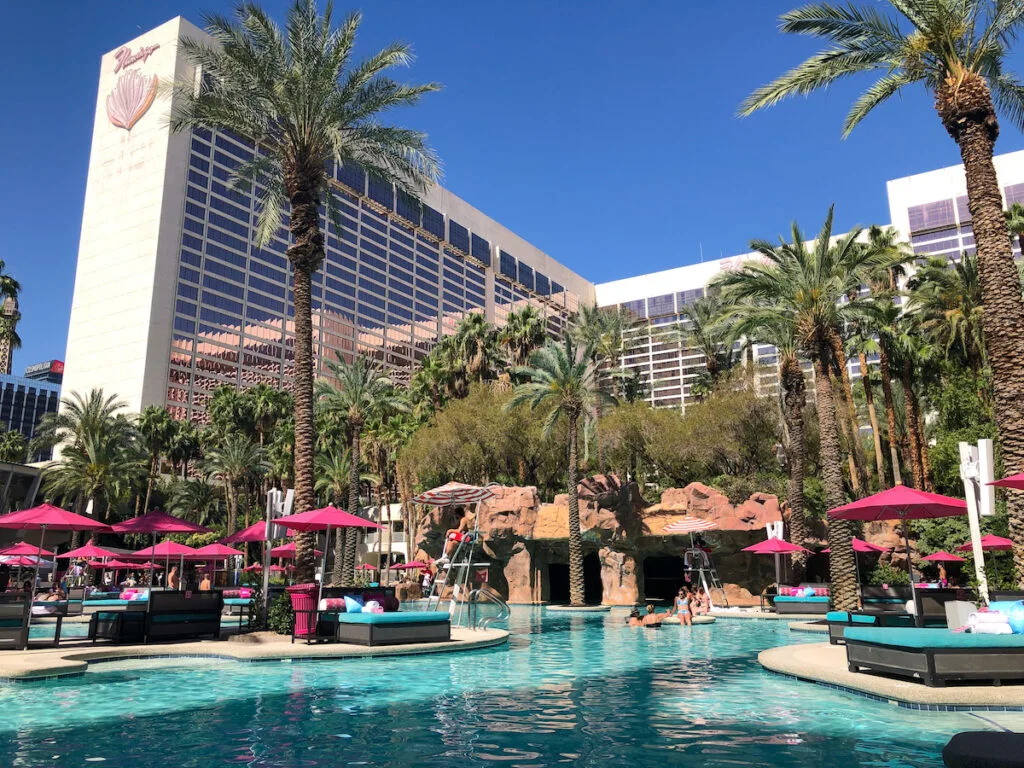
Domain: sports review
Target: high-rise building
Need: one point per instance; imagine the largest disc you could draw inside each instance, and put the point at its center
(173, 298)
(23, 404)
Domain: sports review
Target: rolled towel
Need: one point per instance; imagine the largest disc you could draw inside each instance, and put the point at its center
(987, 618)
(992, 629)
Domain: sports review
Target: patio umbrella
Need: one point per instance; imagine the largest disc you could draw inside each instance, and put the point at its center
(287, 551)
(989, 543)
(942, 556)
(859, 546)
(1013, 481)
(154, 522)
(48, 517)
(775, 547)
(901, 503)
(255, 532)
(167, 550)
(325, 519)
(89, 550)
(366, 567)
(24, 548)
(253, 567)
(454, 493)
(216, 552)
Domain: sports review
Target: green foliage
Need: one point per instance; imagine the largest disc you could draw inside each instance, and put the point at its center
(886, 573)
(13, 447)
(280, 615)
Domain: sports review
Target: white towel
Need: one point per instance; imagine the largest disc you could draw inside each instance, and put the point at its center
(988, 617)
(992, 629)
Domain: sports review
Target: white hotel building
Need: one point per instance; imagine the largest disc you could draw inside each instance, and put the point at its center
(172, 298)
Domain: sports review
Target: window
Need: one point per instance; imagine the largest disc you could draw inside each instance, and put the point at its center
(526, 275)
(660, 305)
(382, 192)
(541, 284)
(458, 235)
(433, 221)
(481, 250)
(408, 208)
(686, 298)
(507, 265)
(637, 308)
(352, 176)
(931, 215)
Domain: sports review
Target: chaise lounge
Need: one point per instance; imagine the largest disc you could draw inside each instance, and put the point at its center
(793, 600)
(166, 615)
(397, 628)
(15, 608)
(935, 656)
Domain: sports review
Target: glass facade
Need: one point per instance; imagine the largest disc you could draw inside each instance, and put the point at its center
(24, 402)
(397, 276)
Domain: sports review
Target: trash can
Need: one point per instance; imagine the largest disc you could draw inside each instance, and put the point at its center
(303, 597)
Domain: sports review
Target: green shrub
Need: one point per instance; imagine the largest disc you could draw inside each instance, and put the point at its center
(887, 573)
(279, 617)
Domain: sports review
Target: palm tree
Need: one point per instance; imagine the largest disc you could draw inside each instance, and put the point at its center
(525, 330)
(234, 460)
(156, 430)
(363, 389)
(707, 330)
(79, 418)
(13, 447)
(432, 383)
(183, 446)
(563, 378)
(267, 406)
(196, 500)
(1015, 224)
(229, 410)
(863, 343)
(957, 49)
(775, 325)
(297, 94)
(946, 297)
(476, 345)
(805, 283)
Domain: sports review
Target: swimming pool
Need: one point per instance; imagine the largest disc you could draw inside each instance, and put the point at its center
(571, 689)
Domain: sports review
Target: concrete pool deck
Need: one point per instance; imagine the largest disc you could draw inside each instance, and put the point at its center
(74, 657)
(826, 664)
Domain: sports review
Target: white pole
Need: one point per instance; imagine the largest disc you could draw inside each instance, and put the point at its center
(35, 574)
(969, 473)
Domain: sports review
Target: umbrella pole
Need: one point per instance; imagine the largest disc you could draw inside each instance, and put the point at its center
(918, 620)
(152, 554)
(778, 577)
(35, 575)
(323, 572)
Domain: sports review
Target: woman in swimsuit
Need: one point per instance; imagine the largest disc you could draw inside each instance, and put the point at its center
(683, 601)
(634, 618)
(652, 619)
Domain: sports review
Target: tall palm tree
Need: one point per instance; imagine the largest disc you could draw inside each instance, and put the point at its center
(862, 344)
(196, 500)
(563, 378)
(958, 50)
(362, 389)
(776, 325)
(234, 460)
(525, 330)
(1015, 223)
(229, 410)
(81, 417)
(806, 282)
(156, 429)
(706, 328)
(267, 406)
(432, 384)
(946, 297)
(298, 94)
(183, 446)
(591, 328)
(476, 344)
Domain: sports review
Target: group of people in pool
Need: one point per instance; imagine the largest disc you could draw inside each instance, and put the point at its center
(687, 604)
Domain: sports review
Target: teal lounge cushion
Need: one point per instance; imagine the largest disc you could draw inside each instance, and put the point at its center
(237, 600)
(899, 600)
(113, 602)
(802, 599)
(919, 639)
(396, 617)
(842, 617)
(9, 623)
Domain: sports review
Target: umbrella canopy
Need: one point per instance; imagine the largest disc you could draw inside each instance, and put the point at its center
(148, 567)
(775, 547)
(98, 565)
(253, 567)
(255, 532)
(901, 503)
(942, 557)
(158, 522)
(24, 548)
(989, 543)
(454, 493)
(1013, 481)
(690, 525)
(322, 519)
(859, 545)
(22, 561)
(121, 565)
(215, 552)
(282, 568)
(368, 567)
(51, 518)
(413, 564)
(164, 549)
(287, 551)
(89, 550)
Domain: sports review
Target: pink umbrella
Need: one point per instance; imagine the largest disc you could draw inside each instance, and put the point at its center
(255, 532)
(989, 543)
(253, 567)
(324, 520)
(901, 503)
(775, 547)
(154, 522)
(24, 548)
(166, 549)
(368, 567)
(21, 561)
(1013, 481)
(859, 545)
(943, 557)
(216, 552)
(89, 550)
(287, 551)
(416, 564)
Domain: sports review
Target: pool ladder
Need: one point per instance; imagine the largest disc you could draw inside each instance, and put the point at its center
(475, 622)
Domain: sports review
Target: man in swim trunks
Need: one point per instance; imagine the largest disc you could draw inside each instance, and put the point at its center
(455, 536)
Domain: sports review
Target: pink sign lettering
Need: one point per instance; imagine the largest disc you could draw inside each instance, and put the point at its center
(125, 57)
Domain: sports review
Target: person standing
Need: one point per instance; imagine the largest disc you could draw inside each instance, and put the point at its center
(173, 580)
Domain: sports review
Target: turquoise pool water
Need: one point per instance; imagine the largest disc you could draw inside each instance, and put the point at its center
(574, 690)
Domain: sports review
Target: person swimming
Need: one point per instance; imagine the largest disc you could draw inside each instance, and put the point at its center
(682, 604)
(652, 619)
(634, 618)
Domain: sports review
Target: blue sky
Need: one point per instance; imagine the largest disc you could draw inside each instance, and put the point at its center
(603, 132)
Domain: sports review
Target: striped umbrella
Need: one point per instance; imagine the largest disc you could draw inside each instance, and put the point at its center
(454, 493)
(691, 525)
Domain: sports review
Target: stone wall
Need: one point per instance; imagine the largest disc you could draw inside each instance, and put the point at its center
(522, 537)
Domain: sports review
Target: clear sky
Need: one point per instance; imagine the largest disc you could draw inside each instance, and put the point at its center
(601, 131)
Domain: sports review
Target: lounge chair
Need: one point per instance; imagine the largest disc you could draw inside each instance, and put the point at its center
(817, 604)
(15, 608)
(983, 749)
(396, 628)
(840, 621)
(885, 599)
(935, 656)
(168, 615)
(930, 605)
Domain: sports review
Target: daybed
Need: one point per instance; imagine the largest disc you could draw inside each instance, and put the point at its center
(873, 599)
(15, 608)
(394, 628)
(166, 615)
(935, 656)
(794, 599)
(839, 621)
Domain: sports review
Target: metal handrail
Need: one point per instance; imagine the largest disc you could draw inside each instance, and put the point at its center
(474, 598)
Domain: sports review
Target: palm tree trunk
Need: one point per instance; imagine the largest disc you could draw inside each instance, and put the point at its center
(969, 116)
(842, 565)
(305, 431)
(794, 399)
(348, 564)
(922, 443)
(869, 400)
(890, 410)
(844, 430)
(576, 585)
(913, 428)
(851, 410)
(149, 484)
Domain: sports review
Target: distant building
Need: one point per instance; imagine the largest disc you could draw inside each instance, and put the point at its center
(51, 371)
(24, 402)
(9, 316)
